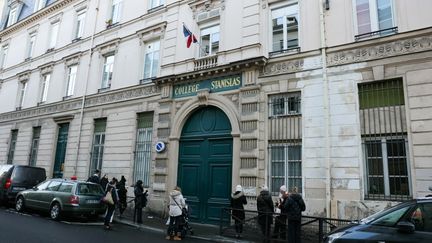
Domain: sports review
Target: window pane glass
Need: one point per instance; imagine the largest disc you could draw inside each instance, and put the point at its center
(363, 16)
(155, 63)
(381, 94)
(53, 186)
(205, 45)
(385, 20)
(392, 218)
(292, 32)
(278, 34)
(148, 65)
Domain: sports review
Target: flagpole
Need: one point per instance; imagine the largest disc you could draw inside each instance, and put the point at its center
(199, 43)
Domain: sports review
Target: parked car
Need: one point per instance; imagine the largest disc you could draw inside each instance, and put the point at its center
(16, 178)
(62, 197)
(407, 222)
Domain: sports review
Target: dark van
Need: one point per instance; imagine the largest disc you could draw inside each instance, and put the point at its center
(16, 178)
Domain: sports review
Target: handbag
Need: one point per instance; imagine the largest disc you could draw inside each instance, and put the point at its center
(108, 199)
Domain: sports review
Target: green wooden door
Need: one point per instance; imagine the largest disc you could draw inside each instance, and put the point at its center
(205, 163)
(60, 150)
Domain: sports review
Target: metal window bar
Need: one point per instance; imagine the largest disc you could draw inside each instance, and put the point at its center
(285, 104)
(383, 32)
(14, 135)
(34, 146)
(97, 152)
(384, 129)
(143, 155)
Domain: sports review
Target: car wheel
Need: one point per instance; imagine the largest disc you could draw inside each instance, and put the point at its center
(55, 211)
(19, 205)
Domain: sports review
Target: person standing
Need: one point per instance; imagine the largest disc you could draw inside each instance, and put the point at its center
(122, 193)
(294, 206)
(280, 229)
(176, 205)
(265, 211)
(238, 199)
(95, 178)
(104, 181)
(111, 189)
(140, 200)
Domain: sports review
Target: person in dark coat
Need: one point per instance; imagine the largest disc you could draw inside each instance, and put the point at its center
(294, 206)
(265, 211)
(104, 182)
(280, 228)
(238, 199)
(140, 200)
(95, 178)
(111, 187)
(122, 193)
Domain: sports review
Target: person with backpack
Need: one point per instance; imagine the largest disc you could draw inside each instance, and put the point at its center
(294, 206)
(238, 199)
(140, 200)
(111, 200)
(265, 209)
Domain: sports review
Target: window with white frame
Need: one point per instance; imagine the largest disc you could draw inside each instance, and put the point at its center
(143, 147)
(13, 15)
(285, 28)
(34, 146)
(156, 3)
(22, 93)
(12, 145)
(79, 26)
(285, 104)
(209, 41)
(4, 52)
(98, 145)
(373, 15)
(72, 73)
(286, 165)
(107, 71)
(116, 11)
(31, 45)
(55, 26)
(151, 60)
(44, 87)
(39, 4)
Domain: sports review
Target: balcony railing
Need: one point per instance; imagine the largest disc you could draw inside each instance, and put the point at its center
(292, 50)
(383, 32)
(206, 62)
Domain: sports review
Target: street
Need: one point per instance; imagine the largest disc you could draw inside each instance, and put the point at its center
(35, 228)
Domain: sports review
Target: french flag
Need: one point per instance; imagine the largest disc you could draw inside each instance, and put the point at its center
(190, 37)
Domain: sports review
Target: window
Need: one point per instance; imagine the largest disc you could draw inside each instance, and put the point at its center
(98, 145)
(53, 35)
(285, 104)
(391, 219)
(156, 3)
(12, 19)
(286, 166)
(39, 4)
(285, 28)
(12, 144)
(373, 15)
(65, 187)
(422, 217)
(43, 185)
(22, 93)
(54, 186)
(116, 11)
(4, 53)
(151, 60)
(31, 45)
(143, 147)
(107, 71)
(383, 130)
(79, 28)
(70, 87)
(209, 41)
(45, 86)
(34, 146)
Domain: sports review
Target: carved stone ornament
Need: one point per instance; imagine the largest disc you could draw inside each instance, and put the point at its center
(166, 91)
(72, 59)
(201, 6)
(152, 32)
(203, 95)
(48, 68)
(24, 76)
(108, 47)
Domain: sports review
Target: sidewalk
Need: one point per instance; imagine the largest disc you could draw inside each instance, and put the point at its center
(157, 224)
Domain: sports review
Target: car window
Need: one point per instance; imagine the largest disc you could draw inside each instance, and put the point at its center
(43, 185)
(4, 169)
(89, 189)
(54, 186)
(391, 218)
(421, 217)
(65, 187)
(28, 175)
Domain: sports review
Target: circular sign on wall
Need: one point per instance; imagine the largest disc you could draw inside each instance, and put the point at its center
(160, 146)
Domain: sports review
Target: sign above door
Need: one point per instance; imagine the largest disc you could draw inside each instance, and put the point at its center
(214, 85)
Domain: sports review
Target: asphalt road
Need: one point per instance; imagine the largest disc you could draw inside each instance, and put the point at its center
(35, 228)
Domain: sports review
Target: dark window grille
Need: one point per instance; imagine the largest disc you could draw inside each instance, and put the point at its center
(143, 148)
(285, 104)
(12, 144)
(34, 146)
(384, 129)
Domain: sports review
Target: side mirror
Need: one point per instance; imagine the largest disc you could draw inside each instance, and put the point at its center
(35, 188)
(405, 227)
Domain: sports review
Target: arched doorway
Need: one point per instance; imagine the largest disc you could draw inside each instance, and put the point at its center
(205, 163)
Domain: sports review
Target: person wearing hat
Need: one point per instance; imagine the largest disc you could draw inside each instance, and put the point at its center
(265, 209)
(280, 228)
(238, 199)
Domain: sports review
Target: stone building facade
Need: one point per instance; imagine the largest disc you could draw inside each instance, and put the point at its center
(331, 97)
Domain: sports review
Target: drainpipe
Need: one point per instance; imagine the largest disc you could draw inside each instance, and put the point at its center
(86, 87)
(326, 107)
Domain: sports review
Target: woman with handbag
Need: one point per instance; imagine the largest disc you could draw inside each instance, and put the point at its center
(238, 199)
(176, 206)
(111, 200)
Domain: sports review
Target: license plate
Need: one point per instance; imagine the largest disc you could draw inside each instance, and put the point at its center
(19, 188)
(92, 201)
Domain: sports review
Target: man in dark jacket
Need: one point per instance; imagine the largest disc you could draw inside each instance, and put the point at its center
(265, 211)
(294, 206)
(122, 193)
(140, 200)
(238, 199)
(95, 177)
(111, 188)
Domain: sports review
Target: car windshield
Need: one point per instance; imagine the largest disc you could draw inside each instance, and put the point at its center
(4, 169)
(89, 189)
(29, 175)
(387, 216)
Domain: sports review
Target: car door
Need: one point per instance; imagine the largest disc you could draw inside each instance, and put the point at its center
(49, 194)
(33, 196)
(421, 217)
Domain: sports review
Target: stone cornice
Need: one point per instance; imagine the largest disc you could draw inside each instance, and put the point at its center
(386, 47)
(136, 92)
(34, 17)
